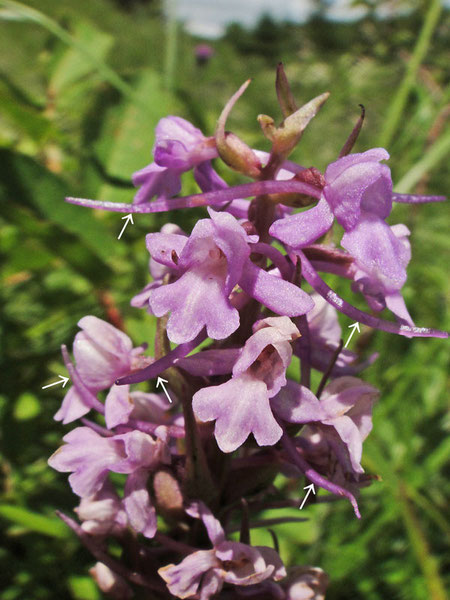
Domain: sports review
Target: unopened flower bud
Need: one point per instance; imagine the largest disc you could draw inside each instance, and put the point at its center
(284, 93)
(307, 583)
(109, 582)
(267, 126)
(232, 150)
(293, 126)
(168, 496)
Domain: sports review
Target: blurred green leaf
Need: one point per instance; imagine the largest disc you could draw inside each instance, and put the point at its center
(432, 157)
(24, 118)
(129, 136)
(27, 407)
(395, 113)
(31, 14)
(72, 65)
(30, 184)
(83, 588)
(32, 521)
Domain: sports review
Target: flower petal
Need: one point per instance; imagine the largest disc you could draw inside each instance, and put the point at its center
(140, 512)
(304, 228)
(283, 297)
(117, 406)
(199, 510)
(183, 580)
(196, 300)
(297, 404)
(240, 407)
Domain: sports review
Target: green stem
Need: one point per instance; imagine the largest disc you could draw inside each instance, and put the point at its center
(171, 46)
(397, 107)
(420, 547)
(430, 159)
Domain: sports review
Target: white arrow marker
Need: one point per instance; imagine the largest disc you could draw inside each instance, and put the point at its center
(355, 326)
(160, 382)
(128, 218)
(310, 489)
(62, 380)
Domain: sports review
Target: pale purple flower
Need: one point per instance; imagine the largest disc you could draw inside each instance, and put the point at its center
(102, 354)
(203, 573)
(90, 457)
(356, 185)
(225, 281)
(209, 264)
(157, 270)
(203, 52)
(179, 147)
(154, 180)
(324, 335)
(241, 405)
(344, 413)
(121, 405)
(381, 255)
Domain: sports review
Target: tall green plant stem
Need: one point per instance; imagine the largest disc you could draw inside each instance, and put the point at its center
(420, 546)
(432, 157)
(397, 106)
(171, 46)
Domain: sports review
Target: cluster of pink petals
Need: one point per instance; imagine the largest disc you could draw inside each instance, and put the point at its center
(358, 194)
(90, 457)
(205, 268)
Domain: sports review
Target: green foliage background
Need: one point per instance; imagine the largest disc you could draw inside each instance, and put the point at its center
(82, 85)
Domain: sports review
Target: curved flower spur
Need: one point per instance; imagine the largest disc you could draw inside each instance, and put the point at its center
(191, 470)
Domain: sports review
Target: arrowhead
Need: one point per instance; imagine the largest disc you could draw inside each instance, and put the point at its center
(129, 217)
(64, 380)
(355, 326)
(310, 487)
(161, 381)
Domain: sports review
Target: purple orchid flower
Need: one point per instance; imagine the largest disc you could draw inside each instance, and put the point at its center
(179, 147)
(355, 185)
(203, 573)
(157, 270)
(344, 413)
(225, 281)
(381, 255)
(209, 264)
(102, 354)
(90, 457)
(241, 405)
(358, 193)
(123, 406)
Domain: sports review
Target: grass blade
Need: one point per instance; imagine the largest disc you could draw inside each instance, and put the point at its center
(397, 107)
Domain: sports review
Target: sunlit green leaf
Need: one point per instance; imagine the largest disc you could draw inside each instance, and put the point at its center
(31, 521)
(27, 407)
(73, 66)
